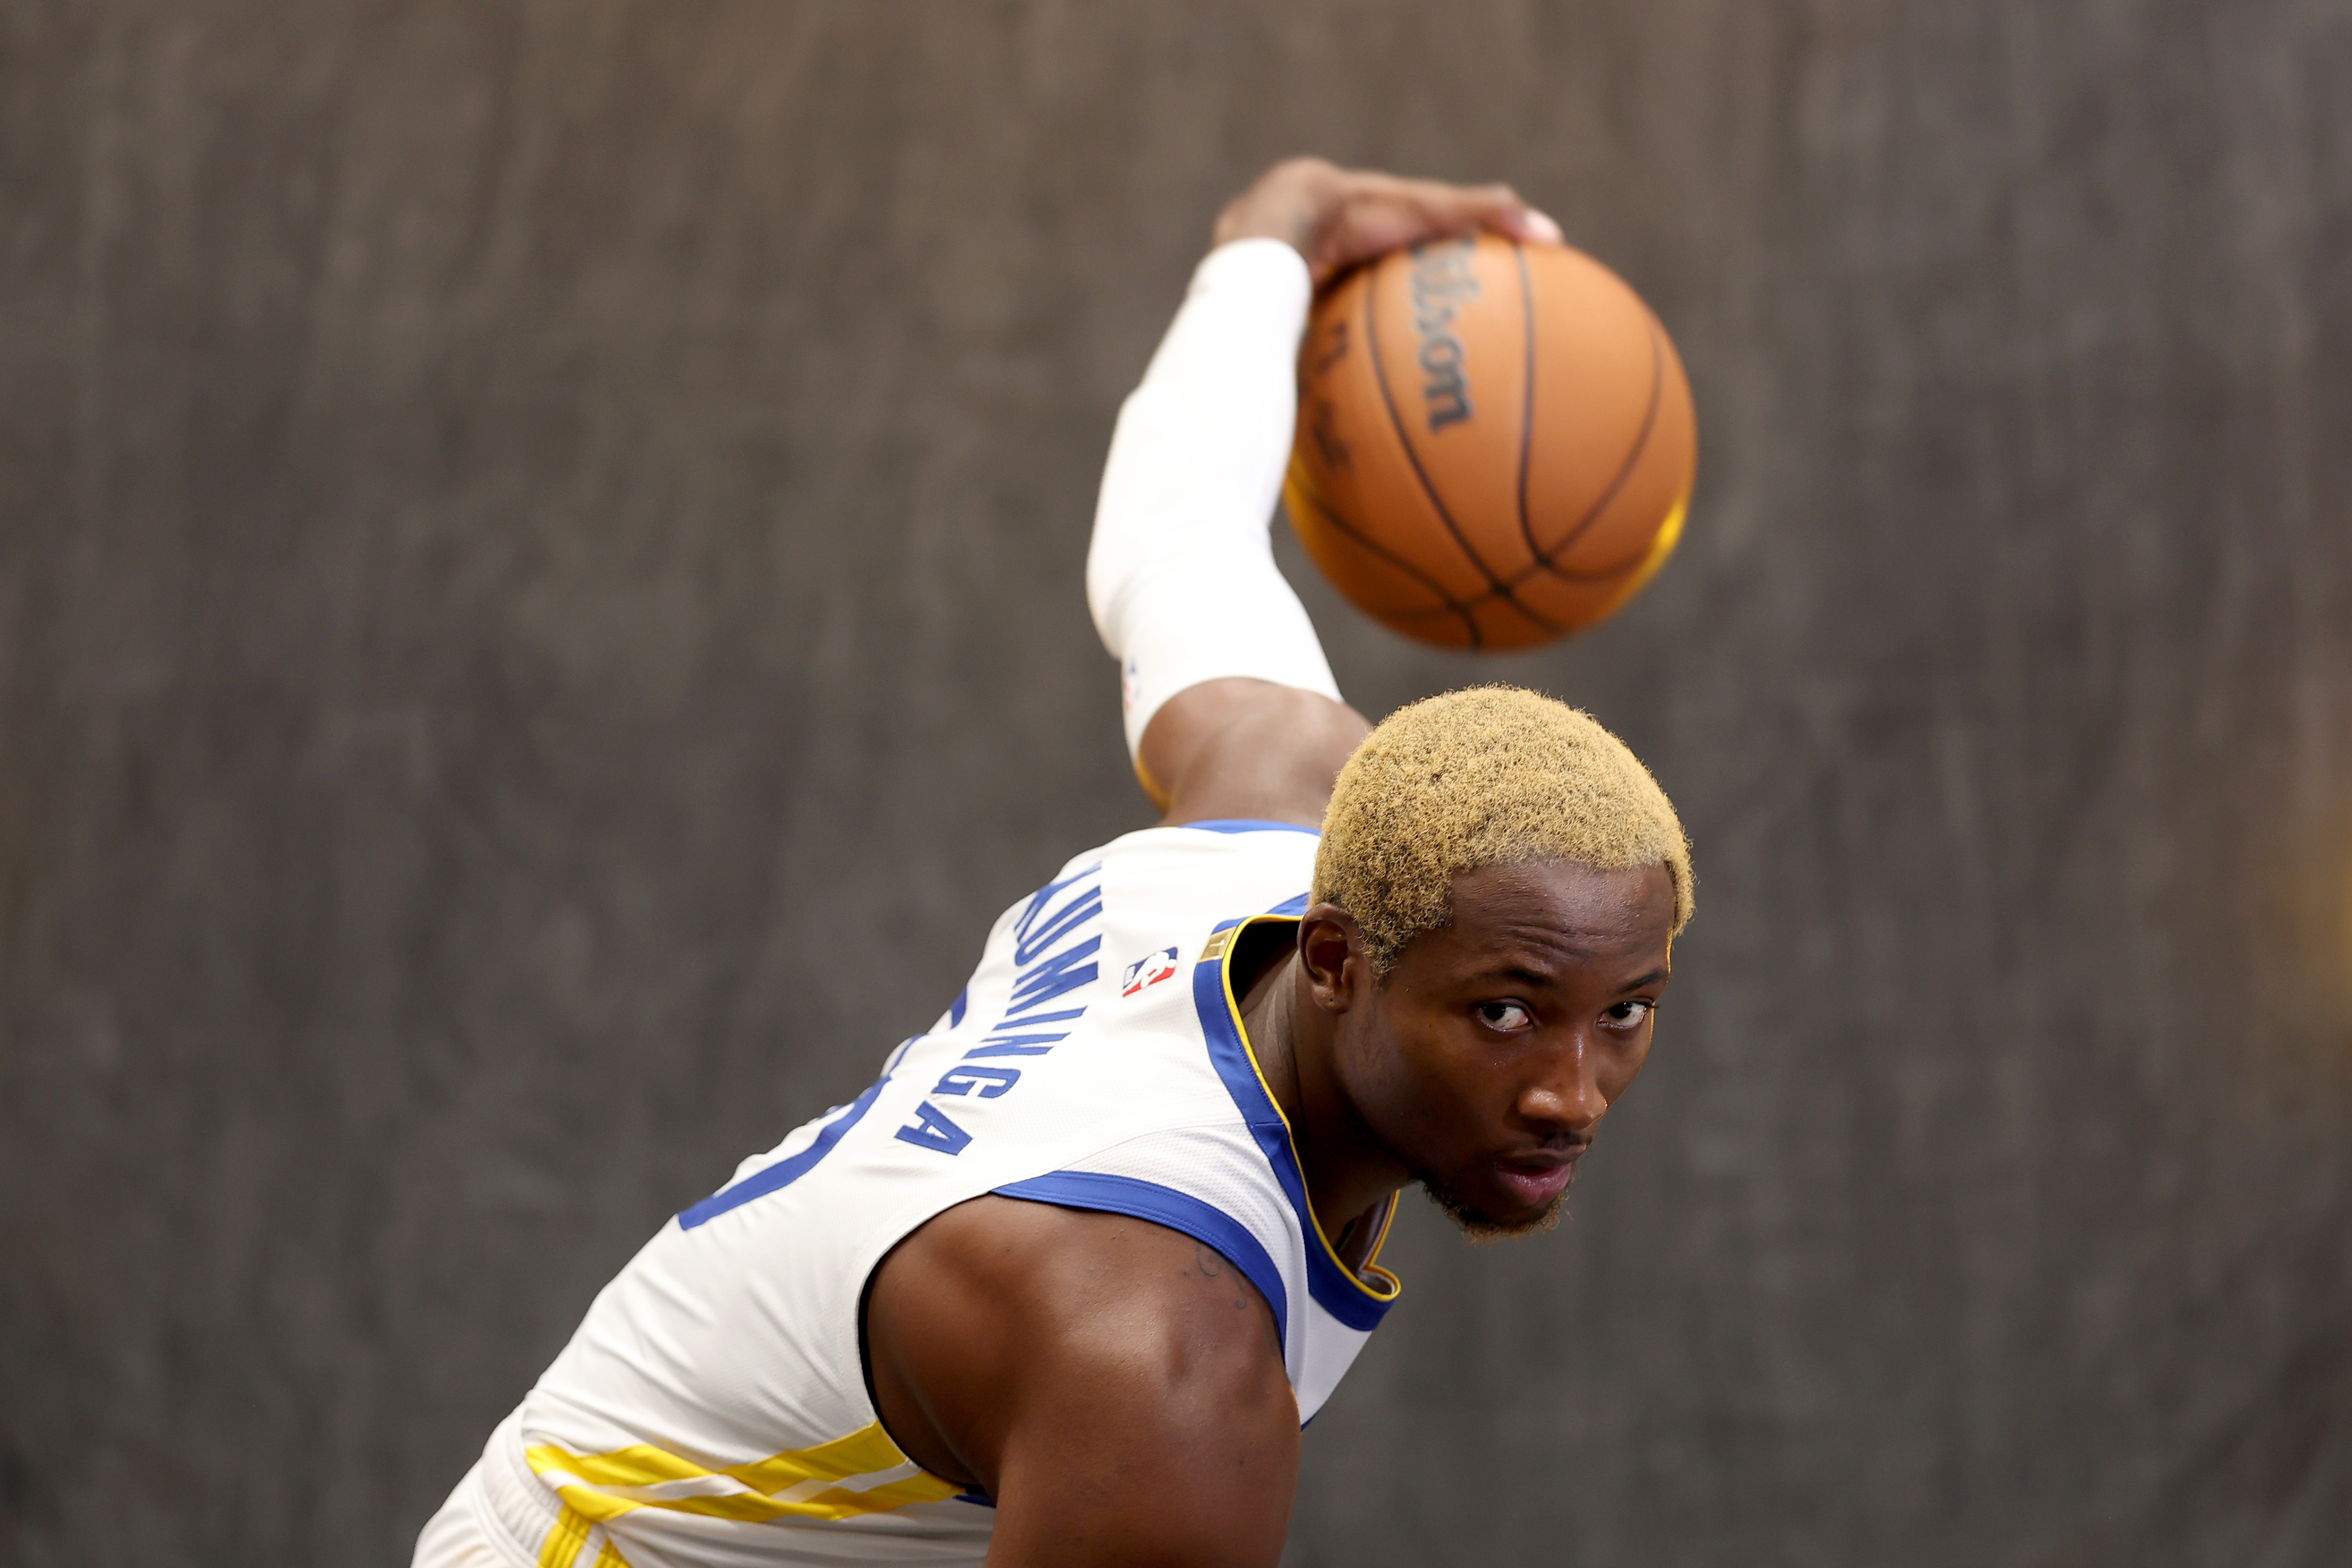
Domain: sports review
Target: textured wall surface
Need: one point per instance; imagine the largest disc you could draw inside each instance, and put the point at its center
(540, 618)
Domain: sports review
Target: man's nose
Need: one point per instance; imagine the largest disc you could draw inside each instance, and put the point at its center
(1565, 1094)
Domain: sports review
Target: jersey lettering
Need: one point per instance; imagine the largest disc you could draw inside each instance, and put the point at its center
(1036, 981)
(1012, 1047)
(990, 1081)
(1051, 977)
(930, 1129)
(1068, 918)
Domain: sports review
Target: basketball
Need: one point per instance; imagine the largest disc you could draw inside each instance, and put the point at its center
(1495, 442)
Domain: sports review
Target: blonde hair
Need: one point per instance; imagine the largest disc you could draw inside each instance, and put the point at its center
(1488, 775)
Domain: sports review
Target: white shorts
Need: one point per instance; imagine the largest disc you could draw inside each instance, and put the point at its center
(500, 1517)
(457, 1538)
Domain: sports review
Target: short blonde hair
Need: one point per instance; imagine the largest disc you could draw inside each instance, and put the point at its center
(1488, 775)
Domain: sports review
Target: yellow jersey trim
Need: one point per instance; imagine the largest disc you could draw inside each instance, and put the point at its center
(1216, 949)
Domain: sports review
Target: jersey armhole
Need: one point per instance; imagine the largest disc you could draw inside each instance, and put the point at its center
(873, 1400)
(1181, 1212)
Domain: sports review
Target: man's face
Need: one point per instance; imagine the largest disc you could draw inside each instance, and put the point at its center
(1488, 1057)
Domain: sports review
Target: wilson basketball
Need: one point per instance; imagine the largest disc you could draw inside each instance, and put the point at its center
(1495, 442)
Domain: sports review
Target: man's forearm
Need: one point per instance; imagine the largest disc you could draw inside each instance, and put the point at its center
(1180, 575)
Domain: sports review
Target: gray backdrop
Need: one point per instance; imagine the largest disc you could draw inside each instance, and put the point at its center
(540, 617)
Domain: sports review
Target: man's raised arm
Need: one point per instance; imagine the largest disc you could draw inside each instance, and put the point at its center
(1231, 708)
(1116, 1386)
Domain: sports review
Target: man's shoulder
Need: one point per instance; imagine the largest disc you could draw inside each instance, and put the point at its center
(1197, 872)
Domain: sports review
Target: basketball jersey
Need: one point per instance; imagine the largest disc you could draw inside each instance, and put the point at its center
(712, 1410)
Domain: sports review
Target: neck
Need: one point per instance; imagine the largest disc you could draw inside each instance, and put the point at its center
(1348, 1170)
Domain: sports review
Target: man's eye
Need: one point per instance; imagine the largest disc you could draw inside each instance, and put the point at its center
(1505, 1015)
(1626, 1015)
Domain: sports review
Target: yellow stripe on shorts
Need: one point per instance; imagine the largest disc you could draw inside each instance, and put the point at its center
(564, 1539)
(569, 1536)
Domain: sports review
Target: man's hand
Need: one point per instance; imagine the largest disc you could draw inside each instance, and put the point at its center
(1336, 217)
(1116, 1386)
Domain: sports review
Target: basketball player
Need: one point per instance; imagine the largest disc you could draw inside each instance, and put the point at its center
(1062, 1287)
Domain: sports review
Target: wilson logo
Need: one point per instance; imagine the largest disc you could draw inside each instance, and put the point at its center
(1441, 284)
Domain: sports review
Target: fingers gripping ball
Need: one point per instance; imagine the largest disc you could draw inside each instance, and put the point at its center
(1495, 442)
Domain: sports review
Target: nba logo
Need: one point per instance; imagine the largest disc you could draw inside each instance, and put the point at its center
(1147, 971)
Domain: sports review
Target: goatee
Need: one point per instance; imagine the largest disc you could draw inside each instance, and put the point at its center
(1480, 1227)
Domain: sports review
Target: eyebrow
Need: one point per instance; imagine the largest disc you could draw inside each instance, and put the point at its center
(1531, 975)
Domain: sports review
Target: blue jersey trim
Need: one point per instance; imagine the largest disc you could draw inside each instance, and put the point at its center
(1248, 824)
(784, 1172)
(1333, 1286)
(1178, 1211)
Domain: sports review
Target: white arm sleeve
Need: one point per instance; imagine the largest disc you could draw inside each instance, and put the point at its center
(1180, 575)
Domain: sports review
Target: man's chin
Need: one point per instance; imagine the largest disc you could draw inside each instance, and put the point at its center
(1478, 1222)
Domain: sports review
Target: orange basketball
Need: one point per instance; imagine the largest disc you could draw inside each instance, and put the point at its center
(1495, 442)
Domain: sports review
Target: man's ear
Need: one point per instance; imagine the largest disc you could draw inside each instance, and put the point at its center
(1331, 951)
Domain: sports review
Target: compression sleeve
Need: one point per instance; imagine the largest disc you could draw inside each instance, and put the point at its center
(1180, 576)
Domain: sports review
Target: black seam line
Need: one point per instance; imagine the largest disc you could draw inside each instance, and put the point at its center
(1527, 433)
(1603, 574)
(1582, 579)
(1314, 497)
(1483, 600)
(1470, 606)
(1526, 403)
(1446, 601)
(1600, 574)
(1546, 560)
(1396, 422)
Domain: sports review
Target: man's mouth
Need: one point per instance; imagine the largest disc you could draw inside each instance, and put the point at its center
(1537, 1182)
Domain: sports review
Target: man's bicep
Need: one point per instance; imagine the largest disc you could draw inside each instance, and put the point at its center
(1117, 1385)
(1135, 1455)
(1244, 748)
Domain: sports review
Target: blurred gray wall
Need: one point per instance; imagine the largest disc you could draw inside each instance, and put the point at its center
(540, 617)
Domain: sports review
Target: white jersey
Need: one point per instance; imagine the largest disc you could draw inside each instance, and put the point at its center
(712, 1410)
